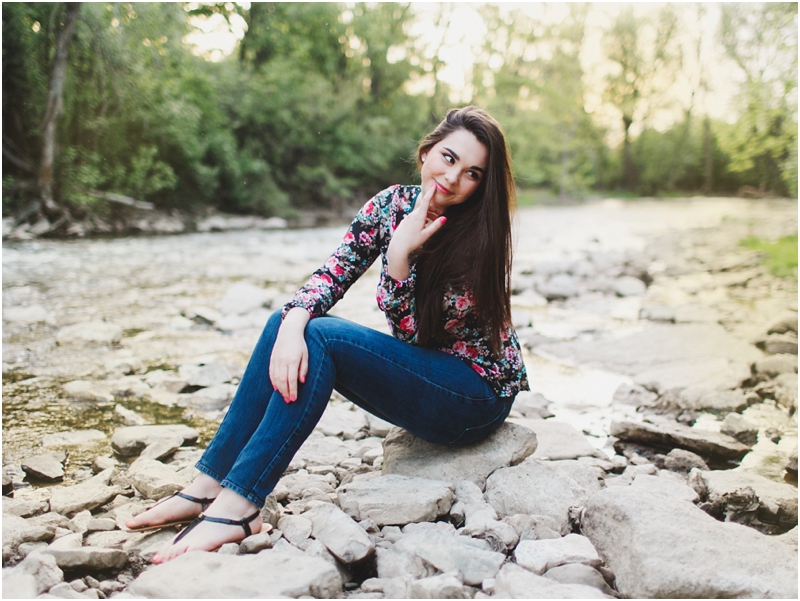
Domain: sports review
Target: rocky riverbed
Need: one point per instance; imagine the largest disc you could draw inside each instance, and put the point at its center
(656, 455)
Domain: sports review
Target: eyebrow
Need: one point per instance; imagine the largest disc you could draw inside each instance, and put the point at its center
(458, 158)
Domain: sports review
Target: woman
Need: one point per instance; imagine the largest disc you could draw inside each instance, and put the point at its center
(448, 375)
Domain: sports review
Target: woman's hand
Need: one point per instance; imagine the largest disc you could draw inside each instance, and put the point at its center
(289, 360)
(412, 233)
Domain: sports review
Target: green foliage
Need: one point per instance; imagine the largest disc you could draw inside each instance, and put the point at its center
(781, 255)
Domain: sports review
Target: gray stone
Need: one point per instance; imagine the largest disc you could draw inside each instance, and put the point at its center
(538, 556)
(775, 344)
(672, 435)
(671, 355)
(23, 508)
(785, 391)
(28, 315)
(296, 529)
(92, 332)
(791, 465)
(85, 390)
(442, 586)
(242, 297)
(774, 365)
(340, 534)
(69, 500)
(408, 455)
(742, 430)
(156, 480)
(777, 500)
(129, 418)
(101, 525)
(395, 499)
(558, 440)
(378, 426)
(42, 567)
(89, 558)
(532, 405)
(668, 487)
(681, 460)
(73, 438)
(18, 586)
(321, 450)
(256, 543)
(786, 323)
(67, 542)
(698, 398)
(629, 286)
(209, 399)
(393, 562)
(514, 582)
(534, 527)
(667, 548)
(535, 488)
(578, 573)
(48, 467)
(343, 420)
(209, 373)
(558, 287)
(131, 440)
(633, 394)
(301, 481)
(161, 448)
(264, 575)
(449, 553)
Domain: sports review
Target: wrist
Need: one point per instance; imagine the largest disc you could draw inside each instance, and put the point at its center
(296, 319)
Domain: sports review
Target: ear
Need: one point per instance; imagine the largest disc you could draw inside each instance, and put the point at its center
(422, 156)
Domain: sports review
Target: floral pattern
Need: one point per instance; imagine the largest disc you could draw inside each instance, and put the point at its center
(367, 239)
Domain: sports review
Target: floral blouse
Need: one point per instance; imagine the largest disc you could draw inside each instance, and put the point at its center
(368, 237)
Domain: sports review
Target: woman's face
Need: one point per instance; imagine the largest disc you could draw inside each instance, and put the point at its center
(454, 168)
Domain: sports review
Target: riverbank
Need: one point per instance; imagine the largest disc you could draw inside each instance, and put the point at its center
(655, 343)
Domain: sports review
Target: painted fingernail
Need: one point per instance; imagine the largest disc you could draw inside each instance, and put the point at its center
(302, 379)
(444, 219)
(293, 398)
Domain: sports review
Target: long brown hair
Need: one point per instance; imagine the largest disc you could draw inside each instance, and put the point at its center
(474, 247)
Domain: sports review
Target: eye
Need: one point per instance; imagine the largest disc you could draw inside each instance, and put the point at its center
(474, 175)
(448, 158)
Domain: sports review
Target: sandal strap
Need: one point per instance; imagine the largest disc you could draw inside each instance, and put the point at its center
(244, 523)
(202, 502)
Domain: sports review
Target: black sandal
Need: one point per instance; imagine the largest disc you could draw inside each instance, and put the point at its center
(244, 523)
(204, 503)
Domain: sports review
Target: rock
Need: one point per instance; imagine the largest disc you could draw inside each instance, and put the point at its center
(321, 450)
(535, 488)
(448, 553)
(788, 538)
(301, 481)
(559, 287)
(629, 286)
(100, 525)
(786, 323)
(209, 399)
(67, 542)
(395, 499)
(241, 298)
(698, 398)
(296, 529)
(480, 519)
(340, 534)
(129, 418)
(668, 487)
(23, 508)
(667, 548)
(265, 575)
(170, 382)
(68, 500)
(558, 440)
(578, 573)
(48, 467)
(256, 543)
(343, 420)
(791, 465)
(442, 586)
(408, 455)
(538, 556)
(89, 558)
(633, 394)
(775, 344)
(131, 440)
(671, 355)
(671, 435)
(160, 449)
(532, 405)
(534, 527)
(741, 429)
(681, 460)
(92, 332)
(155, 480)
(777, 501)
(84, 390)
(72, 438)
(28, 315)
(514, 582)
(103, 463)
(42, 567)
(775, 365)
(377, 426)
(785, 391)
(393, 562)
(19, 586)
(208, 373)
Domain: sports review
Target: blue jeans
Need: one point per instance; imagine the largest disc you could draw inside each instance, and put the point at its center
(434, 395)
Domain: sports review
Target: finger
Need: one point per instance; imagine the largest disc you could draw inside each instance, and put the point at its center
(424, 201)
(304, 366)
(433, 227)
(292, 386)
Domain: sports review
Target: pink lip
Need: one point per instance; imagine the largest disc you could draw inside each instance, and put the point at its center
(441, 188)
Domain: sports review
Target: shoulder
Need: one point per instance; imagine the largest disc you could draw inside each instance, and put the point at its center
(395, 198)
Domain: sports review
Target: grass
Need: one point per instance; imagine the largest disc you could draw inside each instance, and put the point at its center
(781, 255)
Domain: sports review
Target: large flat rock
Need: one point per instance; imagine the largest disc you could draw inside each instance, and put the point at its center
(660, 547)
(677, 436)
(266, 575)
(132, 440)
(672, 355)
(405, 454)
(558, 440)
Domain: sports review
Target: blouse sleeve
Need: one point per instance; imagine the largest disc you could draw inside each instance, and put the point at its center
(396, 298)
(358, 250)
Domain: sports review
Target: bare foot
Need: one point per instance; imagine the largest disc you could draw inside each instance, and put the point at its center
(177, 508)
(210, 536)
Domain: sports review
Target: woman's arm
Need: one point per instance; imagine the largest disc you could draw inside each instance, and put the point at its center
(289, 360)
(410, 235)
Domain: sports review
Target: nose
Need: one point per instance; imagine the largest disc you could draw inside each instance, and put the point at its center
(451, 176)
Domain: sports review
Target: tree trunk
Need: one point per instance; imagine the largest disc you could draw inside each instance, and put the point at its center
(55, 106)
(627, 160)
(708, 157)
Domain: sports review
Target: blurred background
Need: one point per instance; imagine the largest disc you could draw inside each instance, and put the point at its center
(275, 108)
